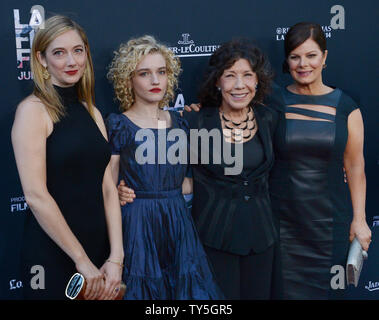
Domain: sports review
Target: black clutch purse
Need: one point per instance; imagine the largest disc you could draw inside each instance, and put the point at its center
(77, 286)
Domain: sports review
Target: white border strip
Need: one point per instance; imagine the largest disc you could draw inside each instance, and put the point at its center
(194, 55)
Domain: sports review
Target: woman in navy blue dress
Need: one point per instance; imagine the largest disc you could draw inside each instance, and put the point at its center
(164, 258)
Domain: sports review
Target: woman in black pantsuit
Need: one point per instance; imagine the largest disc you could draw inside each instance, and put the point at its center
(232, 211)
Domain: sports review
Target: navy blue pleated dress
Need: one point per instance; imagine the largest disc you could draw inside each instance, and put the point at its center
(164, 258)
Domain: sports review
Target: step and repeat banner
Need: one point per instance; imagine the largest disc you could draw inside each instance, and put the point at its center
(193, 30)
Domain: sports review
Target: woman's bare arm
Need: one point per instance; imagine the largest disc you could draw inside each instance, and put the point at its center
(30, 129)
(354, 165)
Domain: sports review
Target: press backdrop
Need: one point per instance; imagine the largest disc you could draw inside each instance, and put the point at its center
(193, 30)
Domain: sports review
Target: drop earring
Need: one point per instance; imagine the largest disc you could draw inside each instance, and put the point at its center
(45, 74)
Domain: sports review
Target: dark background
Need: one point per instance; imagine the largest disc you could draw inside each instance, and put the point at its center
(352, 65)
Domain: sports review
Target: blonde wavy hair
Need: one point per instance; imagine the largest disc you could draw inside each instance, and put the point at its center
(43, 89)
(125, 61)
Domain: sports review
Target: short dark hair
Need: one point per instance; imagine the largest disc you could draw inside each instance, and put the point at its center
(298, 34)
(224, 58)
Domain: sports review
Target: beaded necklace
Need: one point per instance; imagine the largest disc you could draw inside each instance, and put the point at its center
(239, 131)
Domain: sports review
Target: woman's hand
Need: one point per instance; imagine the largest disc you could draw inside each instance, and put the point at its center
(125, 194)
(194, 106)
(360, 230)
(94, 279)
(113, 273)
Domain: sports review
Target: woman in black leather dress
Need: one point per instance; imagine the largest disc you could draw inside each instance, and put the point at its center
(320, 131)
(62, 156)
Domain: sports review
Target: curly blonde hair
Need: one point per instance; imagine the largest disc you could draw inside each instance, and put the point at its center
(125, 61)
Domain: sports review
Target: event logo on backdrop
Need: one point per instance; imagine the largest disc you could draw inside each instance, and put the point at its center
(24, 34)
(375, 221)
(372, 286)
(281, 32)
(337, 21)
(188, 48)
(179, 103)
(15, 284)
(18, 204)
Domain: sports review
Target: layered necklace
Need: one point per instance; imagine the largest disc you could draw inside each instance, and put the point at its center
(238, 131)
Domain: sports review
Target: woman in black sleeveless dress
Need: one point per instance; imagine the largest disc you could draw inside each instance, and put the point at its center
(62, 157)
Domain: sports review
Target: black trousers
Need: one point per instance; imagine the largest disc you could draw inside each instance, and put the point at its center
(251, 277)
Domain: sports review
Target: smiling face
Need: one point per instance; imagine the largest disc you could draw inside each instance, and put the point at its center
(306, 62)
(65, 59)
(237, 85)
(150, 80)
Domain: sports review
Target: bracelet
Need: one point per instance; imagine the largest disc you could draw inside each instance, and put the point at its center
(115, 262)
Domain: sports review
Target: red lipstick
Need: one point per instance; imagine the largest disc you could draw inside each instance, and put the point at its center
(71, 72)
(155, 90)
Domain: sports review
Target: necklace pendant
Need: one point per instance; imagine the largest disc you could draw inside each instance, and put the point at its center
(243, 128)
(237, 138)
(252, 126)
(226, 126)
(227, 133)
(248, 135)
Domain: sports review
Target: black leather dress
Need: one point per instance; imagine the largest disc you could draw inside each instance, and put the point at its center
(308, 192)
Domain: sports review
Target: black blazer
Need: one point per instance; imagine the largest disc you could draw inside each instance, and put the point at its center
(233, 213)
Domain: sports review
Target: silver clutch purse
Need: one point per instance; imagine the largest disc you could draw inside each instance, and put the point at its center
(355, 262)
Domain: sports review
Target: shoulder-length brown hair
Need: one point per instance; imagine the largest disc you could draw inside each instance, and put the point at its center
(43, 88)
(298, 34)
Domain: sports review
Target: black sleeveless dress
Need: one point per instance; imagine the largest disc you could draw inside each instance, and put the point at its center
(76, 157)
(308, 192)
